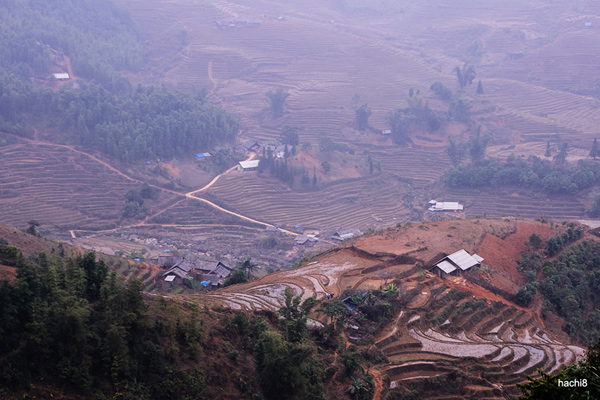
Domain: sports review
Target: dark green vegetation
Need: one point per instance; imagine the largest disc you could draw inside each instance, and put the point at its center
(70, 327)
(583, 380)
(276, 101)
(104, 113)
(534, 173)
(571, 288)
(148, 123)
(69, 324)
(362, 115)
(570, 283)
(531, 261)
(99, 38)
(402, 120)
(421, 116)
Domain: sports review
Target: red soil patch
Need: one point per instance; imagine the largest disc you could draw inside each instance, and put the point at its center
(432, 238)
(503, 254)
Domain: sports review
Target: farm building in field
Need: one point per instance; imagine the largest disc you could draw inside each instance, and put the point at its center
(61, 76)
(445, 206)
(346, 234)
(386, 132)
(248, 165)
(251, 145)
(456, 264)
(305, 239)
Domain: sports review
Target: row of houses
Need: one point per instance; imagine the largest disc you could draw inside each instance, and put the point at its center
(209, 272)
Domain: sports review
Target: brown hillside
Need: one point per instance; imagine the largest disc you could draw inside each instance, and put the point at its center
(445, 323)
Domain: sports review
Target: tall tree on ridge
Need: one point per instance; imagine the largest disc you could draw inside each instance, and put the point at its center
(595, 152)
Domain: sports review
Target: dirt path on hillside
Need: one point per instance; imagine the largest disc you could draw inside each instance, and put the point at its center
(191, 194)
(210, 76)
(69, 69)
(377, 383)
(387, 332)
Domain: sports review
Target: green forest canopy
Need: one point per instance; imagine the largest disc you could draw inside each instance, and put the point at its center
(98, 37)
(105, 113)
(533, 173)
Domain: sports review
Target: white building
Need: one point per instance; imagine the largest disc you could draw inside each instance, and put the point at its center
(61, 76)
(445, 206)
(251, 165)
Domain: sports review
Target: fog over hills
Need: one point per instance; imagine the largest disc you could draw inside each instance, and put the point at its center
(269, 136)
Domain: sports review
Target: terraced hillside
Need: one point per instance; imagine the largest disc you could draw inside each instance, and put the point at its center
(449, 330)
(510, 202)
(61, 188)
(343, 204)
(324, 53)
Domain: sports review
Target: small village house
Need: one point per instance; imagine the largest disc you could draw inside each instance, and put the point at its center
(456, 264)
(450, 206)
(246, 166)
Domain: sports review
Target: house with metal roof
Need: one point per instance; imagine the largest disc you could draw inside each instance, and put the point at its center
(169, 261)
(305, 239)
(251, 165)
(251, 145)
(346, 234)
(456, 264)
(445, 206)
(61, 76)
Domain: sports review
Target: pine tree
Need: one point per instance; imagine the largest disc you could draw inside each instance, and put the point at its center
(315, 177)
(548, 154)
(479, 88)
(595, 152)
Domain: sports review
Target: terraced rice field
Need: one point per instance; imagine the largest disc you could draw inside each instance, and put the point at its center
(496, 341)
(492, 343)
(324, 54)
(60, 188)
(517, 202)
(342, 204)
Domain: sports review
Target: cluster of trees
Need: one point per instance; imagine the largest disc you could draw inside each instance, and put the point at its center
(148, 123)
(533, 173)
(571, 288)
(151, 122)
(242, 272)
(277, 168)
(362, 115)
(134, 200)
(99, 38)
(476, 146)
(74, 324)
(106, 114)
(276, 101)
(402, 120)
(531, 262)
(556, 243)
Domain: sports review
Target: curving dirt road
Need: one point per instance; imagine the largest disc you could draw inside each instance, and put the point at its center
(192, 194)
